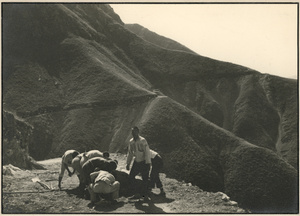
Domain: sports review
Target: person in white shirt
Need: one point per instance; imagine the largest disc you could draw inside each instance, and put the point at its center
(157, 164)
(139, 149)
(66, 162)
(103, 182)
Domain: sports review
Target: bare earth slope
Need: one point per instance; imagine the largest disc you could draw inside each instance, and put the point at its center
(260, 108)
(215, 159)
(82, 80)
(154, 38)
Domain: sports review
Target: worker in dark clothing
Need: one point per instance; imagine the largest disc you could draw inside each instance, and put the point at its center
(157, 164)
(100, 162)
(106, 155)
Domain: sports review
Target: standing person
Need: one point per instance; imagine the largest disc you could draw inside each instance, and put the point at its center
(103, 182)
(66, 162)
(157, 164)
(139, 149)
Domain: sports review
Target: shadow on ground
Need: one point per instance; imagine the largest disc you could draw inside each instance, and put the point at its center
(106, 206)
(148, 207)
(75, 191)
(156, 204)
(155, 198)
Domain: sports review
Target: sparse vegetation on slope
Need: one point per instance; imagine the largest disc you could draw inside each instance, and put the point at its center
(82, 80)
(283, 95)
(241, 100)
(255, 119)
(258, 179)
(156, 39)
(213, 159)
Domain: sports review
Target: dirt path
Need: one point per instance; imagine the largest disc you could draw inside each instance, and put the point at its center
(22, 195)
(101, 104)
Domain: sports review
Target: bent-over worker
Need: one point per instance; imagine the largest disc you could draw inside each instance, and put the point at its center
(96, 162)
(103, 182)
(66, 162)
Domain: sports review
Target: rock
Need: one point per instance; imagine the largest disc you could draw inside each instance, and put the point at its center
(240, 211)
(13, 167)
(7, 171)
(10, 170)
(224, 196)
(233, 203)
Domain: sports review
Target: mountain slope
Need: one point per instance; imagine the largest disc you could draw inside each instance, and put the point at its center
(239, 99)
(214, 159)
(82, 80)
(155, 38)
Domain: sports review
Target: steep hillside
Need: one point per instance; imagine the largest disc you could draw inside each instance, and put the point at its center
(156, 39)
(82, 80)
(214, 159)
(249, 104)
(87, 74)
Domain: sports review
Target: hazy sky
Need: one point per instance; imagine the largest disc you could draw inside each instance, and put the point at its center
(259, 36)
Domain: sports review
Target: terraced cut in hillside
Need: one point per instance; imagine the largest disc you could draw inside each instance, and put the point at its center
(76, 77)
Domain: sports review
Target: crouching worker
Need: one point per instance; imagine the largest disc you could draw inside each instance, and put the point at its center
(66, 162)
(78, 162)
(89, 155)
(103, 183)
(96, 162)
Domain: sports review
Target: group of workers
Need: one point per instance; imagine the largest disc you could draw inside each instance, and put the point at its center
(94, 170)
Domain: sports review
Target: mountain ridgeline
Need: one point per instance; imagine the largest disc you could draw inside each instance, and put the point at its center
(80, 78)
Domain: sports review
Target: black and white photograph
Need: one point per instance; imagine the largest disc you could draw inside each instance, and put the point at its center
(182, 107)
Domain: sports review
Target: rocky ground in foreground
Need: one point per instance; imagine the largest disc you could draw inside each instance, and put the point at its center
(22, 195)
